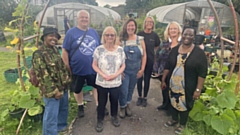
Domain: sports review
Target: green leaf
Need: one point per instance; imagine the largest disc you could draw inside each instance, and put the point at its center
(237, 113)
(26, 101)
(207, 119)
(222, 123)
(229, 113)
(33, 90)
(227, 99)
(211, 91)
(197, 112)
(35, 110)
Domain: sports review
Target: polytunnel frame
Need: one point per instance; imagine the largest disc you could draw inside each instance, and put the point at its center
(58, 16)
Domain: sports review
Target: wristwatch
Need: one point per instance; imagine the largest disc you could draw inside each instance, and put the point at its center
(198, 90)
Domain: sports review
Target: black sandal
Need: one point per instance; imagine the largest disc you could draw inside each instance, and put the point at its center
(170, 123)
(179, 129)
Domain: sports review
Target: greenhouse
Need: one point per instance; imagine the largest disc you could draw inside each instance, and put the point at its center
(99, 16)
(197, 14)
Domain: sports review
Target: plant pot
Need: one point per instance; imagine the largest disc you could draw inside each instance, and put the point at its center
(36, 118)
(11, 75)
(29, 61)
(17, 114)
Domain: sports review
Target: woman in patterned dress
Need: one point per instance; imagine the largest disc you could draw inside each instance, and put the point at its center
(187, 69)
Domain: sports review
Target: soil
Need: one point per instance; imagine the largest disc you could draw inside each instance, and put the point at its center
(144, 121)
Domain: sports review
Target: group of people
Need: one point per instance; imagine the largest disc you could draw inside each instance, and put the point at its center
(113, 66)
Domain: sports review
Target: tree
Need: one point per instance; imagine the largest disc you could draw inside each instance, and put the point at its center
(236, 4)
(7, 7)
(107, 6)
(90, 2)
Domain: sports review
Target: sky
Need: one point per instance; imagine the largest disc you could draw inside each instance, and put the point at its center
(110, 2)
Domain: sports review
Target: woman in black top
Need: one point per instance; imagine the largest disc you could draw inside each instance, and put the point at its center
(187, 69)
(152, 41)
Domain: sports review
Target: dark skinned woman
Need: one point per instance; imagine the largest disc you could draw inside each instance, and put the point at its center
(187, 69)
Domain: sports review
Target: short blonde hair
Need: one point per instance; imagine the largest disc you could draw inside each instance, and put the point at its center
(144, 23)
(108, 28)
(166, 32)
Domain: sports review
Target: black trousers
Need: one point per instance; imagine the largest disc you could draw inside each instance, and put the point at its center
(165, 95)
(103, 98)
(146, 77)
(181, 116)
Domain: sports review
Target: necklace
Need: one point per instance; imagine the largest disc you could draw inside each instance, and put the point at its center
(183, 51)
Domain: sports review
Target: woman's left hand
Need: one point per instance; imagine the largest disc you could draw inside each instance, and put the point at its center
(139, 74)
(196, 95)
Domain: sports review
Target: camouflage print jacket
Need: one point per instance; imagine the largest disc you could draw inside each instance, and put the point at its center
(50, 70)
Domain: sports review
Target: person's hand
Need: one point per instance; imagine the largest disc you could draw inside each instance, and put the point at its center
(140, 74)
(113, 76)
(69, 69)
(106, 77)
(58, 95)
(196, 95)
(163, 85)
(122, 75)
(156, 74)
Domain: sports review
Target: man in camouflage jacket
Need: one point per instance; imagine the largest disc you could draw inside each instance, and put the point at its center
(53, 78)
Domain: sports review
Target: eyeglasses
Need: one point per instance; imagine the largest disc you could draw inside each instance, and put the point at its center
(109, 35)
(150, 22)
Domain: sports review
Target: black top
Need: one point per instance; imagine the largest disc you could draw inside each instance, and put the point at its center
(151, 41)
(195, 66)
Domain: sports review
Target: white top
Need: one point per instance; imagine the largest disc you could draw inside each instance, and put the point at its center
(109, 62)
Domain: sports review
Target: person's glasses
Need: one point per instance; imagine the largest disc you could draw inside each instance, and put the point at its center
(149, 22)
(109, 35)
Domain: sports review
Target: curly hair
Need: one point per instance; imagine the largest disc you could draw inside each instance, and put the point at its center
(123, 34)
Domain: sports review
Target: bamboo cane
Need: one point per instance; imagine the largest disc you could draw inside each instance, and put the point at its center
(220, 33)
(18, 56)
(40, 22)
(237, 48)
(21, 121)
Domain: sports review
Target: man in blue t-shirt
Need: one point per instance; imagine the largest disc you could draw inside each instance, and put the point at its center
(78, 48)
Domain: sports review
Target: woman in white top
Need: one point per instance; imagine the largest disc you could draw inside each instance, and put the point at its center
(109, 63)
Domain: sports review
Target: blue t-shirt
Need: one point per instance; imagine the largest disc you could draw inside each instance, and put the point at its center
(81, 60)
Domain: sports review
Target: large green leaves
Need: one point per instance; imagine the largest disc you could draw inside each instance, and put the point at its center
(222, 123)
(35, 110)
(207, 119)
(227, 99)
(26, 101)
(197, 112)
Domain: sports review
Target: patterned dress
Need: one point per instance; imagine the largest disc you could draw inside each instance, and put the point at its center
(177, 84)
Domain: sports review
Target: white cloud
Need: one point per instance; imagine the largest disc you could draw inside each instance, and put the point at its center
(110, 2)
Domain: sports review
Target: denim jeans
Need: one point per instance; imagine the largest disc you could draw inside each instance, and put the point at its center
(133, 63)
(128, 84)
(55, 115)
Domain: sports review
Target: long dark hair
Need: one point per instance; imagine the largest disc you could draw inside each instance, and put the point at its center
(123, 34)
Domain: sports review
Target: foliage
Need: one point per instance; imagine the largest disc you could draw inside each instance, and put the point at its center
(219, 106)
(90, 2)
(7, 8)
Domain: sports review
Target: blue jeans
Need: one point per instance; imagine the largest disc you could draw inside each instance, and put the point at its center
(55, 115)
(128, 84)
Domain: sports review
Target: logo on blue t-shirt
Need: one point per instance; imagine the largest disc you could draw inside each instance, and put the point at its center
(88, 45)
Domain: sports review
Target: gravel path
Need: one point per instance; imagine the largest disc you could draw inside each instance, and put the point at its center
(145, 120)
